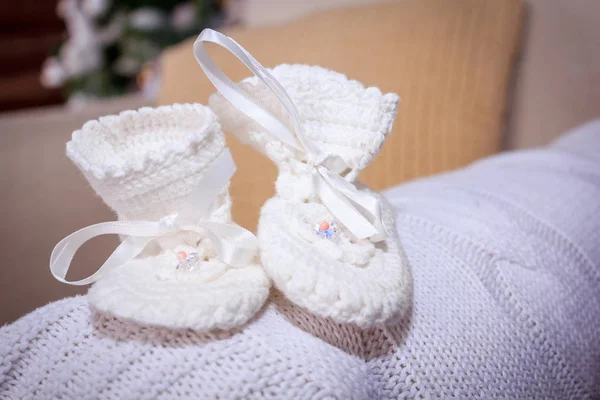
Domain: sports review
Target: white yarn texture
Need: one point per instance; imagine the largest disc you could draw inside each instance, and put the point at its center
(144, 164)
(349, 281)
(506, 268)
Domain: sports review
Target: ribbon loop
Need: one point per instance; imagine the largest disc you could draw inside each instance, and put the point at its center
(359, 212)
(235, 245)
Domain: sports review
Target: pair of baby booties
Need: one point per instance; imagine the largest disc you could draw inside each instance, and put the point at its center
(327, 242)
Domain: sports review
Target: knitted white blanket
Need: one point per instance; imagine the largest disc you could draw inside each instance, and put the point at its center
(506, 262)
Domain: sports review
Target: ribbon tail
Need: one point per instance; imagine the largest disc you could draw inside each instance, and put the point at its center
(358, 211)
(374, 217)
(64, 251)
(235, 245)
(369, 206)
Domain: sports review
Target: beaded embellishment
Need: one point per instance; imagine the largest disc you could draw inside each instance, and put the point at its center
(186, 262)
(326, 230)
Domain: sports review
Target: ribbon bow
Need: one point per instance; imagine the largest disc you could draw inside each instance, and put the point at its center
(359, 211)
(235, 245)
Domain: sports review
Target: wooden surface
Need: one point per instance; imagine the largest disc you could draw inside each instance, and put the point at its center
(28, 30)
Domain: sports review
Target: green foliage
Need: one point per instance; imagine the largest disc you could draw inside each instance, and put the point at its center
(136, 45)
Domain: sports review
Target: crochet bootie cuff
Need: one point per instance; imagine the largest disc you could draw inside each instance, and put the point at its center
(339, 116)
(145, 163)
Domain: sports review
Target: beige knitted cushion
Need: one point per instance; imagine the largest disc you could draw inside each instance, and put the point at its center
(450, 62)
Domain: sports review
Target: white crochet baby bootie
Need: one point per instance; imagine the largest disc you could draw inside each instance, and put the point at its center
(182, 262)
(329, 243)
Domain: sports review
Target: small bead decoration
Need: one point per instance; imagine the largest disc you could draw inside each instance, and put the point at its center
(186, 262)
(181, 256)
(326, 230)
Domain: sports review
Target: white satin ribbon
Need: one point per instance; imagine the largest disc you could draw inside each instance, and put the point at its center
(358, 211)
(235, 245)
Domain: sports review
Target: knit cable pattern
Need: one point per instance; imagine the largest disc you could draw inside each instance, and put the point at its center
(506, 305)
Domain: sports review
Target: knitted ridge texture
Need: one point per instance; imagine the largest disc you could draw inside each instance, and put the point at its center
(506, 268)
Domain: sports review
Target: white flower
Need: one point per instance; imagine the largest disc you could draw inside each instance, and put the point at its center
(94, 8)
(79, 57)
(82, 51)
(147, 18)
(184, 16)
(53, 74)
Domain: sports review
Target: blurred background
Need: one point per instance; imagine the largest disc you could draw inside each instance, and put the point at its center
(74, 51)
(475, 76)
